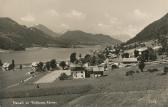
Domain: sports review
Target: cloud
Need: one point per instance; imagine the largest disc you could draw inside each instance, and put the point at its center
(65, 26)
(28, 18)
(104, 26)
(114, 20)
(141, 15)
(76, 14)
(52, 12)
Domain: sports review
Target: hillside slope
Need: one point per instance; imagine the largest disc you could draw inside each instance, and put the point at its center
(83, 38)
(14, 35)
(47, 30)
(152, 31)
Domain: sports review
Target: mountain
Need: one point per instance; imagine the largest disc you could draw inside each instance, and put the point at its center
(83, 38)
(122, 37)
(152, 31)
(47, 30)
(16, 36)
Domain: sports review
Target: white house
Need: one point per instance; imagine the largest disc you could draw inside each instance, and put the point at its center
(77, 71)
(6, 66)
(35, 66)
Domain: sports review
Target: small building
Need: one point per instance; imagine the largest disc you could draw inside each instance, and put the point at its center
(129, 60)
(77, 71)
(6, 66)
(98, 71)
(95, 71)
(35, 66)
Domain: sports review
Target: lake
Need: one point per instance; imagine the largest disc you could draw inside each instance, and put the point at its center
(42, 54)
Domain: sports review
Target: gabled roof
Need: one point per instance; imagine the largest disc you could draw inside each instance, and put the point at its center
(129, 60)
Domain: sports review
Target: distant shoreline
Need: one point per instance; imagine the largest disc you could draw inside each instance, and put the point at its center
(35, 48)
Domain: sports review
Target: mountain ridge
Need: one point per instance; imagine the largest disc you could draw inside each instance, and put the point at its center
(15, 36)
(152, 31)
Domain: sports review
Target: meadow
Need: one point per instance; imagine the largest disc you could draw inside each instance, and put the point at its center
(142, 89)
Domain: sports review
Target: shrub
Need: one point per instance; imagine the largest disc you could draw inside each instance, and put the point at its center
(62, 64)
(131, 72)
(137, 71)
(114, 66)
(63, 76)
(152, 70)
(165, 70)
(53, 64)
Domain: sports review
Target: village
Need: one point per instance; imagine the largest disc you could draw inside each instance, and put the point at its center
(117, 68)
(95, 64)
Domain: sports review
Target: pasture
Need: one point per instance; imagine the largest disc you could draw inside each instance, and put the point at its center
(142, 89)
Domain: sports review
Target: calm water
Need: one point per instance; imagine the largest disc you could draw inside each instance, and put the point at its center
(42, 54)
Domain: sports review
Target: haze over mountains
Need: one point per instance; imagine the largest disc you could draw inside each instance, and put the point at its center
(47, 30)
(152, 31)
(17, 37)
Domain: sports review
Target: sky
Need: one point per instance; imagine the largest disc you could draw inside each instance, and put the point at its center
(122, 19)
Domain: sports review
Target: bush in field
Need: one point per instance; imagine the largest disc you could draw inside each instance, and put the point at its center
(152, 70)
(63, 76)
(165, 70)
(130, 73)
(114, 66)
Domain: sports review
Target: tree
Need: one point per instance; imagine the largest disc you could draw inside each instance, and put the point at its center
(152, 54)
(73, 57)
(87, 58)
(93, 60)
(164, 43)
(20, 67)
(48, 65)
(62, 64)
(13, 64)
(136, 53)
(1, 63)
(80, 55)
(141, 63)
(40, 66)
(53, 64)
(63, 76)
(100, 58)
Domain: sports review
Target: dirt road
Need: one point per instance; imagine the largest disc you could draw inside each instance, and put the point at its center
(52, 76)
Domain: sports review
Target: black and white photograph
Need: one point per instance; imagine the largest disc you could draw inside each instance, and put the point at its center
(83, 53)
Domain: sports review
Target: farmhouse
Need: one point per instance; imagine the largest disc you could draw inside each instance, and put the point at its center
(6, 66)
(98, 71)
(77, 71)
(129, 60)
(95, 71)
(35, 66)
(130, 52)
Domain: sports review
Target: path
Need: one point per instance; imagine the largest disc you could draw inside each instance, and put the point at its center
(52, 76)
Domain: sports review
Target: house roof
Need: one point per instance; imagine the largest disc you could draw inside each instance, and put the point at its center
(76, 65)
(129, 60)
(35, 64)
(6, 65)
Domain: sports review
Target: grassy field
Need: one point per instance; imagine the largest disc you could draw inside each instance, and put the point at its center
(143, 89)
(12, 77)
